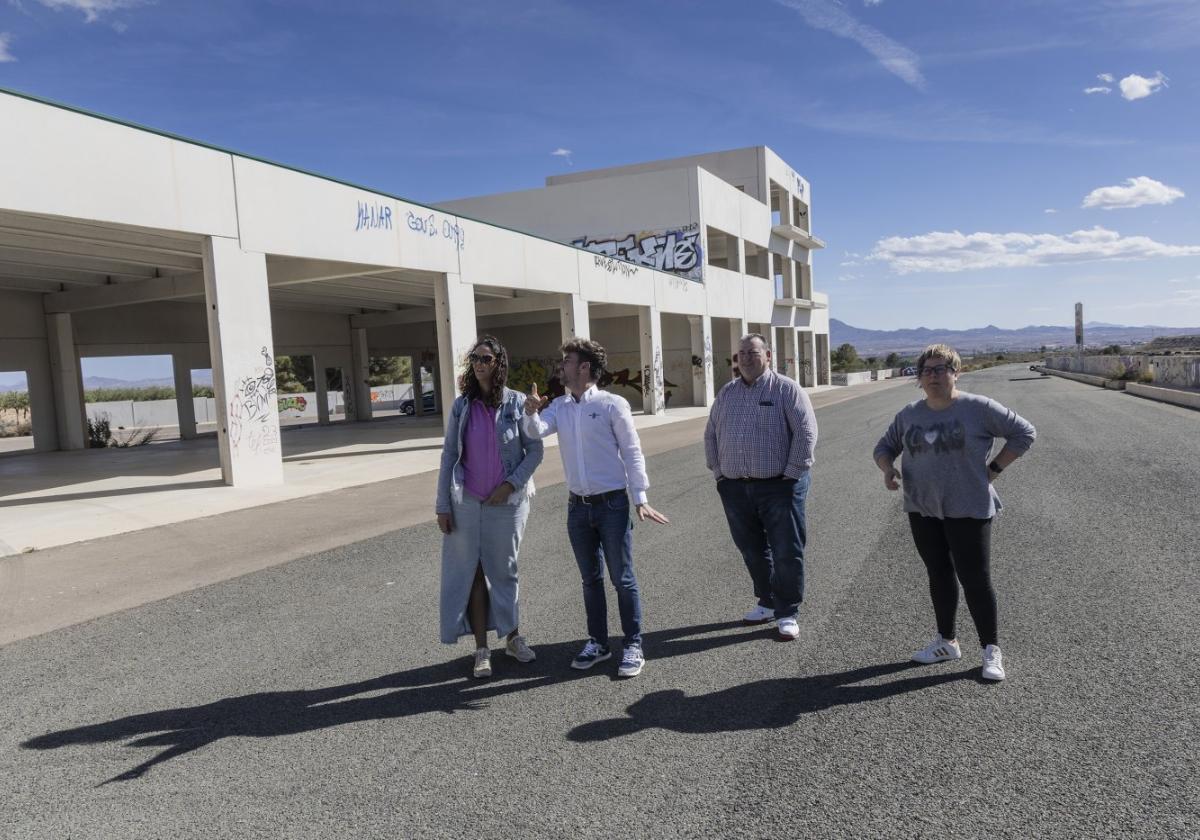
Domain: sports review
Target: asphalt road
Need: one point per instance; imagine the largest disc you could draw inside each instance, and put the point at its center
(313, 699)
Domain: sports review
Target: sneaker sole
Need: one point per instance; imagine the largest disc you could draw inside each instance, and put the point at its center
(481, 675)
(583, 666)
(750, 623)
(628, 672)
(936, 660)
(993, 678)
(519, 659)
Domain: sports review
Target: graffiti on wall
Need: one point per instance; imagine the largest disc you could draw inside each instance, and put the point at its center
(293, 402)
(432, 226)
(676, 251)
(613, 266)
(254, 410)
(373, 216)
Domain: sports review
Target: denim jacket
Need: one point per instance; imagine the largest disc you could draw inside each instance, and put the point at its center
(519, 453)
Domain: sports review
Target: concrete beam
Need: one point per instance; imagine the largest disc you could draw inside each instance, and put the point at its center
(507, 306)
(416, 315)
(123, 294)
(288, 272)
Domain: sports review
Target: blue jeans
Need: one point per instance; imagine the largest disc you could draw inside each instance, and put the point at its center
(766, 521)
(602, 534)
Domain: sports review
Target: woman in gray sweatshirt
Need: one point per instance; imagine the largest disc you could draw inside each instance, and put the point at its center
(946, 439)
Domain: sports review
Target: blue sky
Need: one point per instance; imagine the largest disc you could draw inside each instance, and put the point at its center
(962, 173)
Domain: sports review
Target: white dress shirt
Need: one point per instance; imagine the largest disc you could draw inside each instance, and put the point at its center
(597, 440)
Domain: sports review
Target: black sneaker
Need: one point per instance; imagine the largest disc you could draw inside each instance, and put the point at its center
(590, 655)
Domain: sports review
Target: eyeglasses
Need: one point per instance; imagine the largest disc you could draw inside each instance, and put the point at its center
(936, 370)
(478, 359)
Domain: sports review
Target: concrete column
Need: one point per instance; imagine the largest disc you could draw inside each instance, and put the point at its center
(737, 329)
(703, 388)
(654, 399)
(322, 388)
(573, 314)
(243, 363)
(454, 309)
(182, 368)
(808, 357)
(358, 392)
(70, 413)
(788, 347)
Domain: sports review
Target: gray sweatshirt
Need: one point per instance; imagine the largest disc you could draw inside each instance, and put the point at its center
(946, 454)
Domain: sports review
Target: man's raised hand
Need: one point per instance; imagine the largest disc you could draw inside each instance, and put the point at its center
(534, 403)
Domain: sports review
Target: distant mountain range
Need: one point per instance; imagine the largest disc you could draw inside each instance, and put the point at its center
(983, 339)
(90, 382)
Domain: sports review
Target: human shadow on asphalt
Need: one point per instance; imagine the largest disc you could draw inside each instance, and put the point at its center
(765, 704)
(444, 687)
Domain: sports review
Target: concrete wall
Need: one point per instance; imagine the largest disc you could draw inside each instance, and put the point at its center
(650, 208)
(1175, 371)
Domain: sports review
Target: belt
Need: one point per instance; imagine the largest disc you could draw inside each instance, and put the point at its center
(596, 498)
(772, 478)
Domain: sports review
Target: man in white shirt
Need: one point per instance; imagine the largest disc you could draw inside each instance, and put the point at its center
(603, 461)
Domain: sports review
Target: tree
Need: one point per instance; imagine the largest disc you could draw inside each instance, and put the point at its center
(294, 374)
(892, 360)
(845, 355)
(388, 370)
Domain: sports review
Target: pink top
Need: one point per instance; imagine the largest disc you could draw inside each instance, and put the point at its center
(482, 470)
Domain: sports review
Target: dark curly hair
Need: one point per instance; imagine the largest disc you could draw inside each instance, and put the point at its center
(468, 385)
(590, 352)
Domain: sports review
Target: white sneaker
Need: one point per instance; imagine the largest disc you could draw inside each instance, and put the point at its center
(759, 615)
(993, 663)
(519, 649)
(938, 650)
(788, 628)
(483, 664)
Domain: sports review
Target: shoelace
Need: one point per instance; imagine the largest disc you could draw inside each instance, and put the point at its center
(631, 655)
(590, 649)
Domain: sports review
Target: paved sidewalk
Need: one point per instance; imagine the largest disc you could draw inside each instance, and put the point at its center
(179, 538)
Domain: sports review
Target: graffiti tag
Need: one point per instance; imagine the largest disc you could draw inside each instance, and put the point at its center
(613, 266)
(252, 420)
(428, 226)
(292, 403)
(372, 216)
(675, 251)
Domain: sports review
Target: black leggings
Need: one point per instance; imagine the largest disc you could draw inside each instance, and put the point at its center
(961, 546)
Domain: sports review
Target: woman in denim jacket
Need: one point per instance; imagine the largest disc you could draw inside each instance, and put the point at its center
(484, 488)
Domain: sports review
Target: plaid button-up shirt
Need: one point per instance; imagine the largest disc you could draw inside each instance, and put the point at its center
(762, 430)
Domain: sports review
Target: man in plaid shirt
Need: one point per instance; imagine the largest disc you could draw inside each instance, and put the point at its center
(759, 445)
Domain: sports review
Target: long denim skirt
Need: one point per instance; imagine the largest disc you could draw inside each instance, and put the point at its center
(487, 536)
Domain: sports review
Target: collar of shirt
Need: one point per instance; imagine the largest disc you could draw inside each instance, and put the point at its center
(588, 395)
(763, 379)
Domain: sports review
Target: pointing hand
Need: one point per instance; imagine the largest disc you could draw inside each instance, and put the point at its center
(534, 403)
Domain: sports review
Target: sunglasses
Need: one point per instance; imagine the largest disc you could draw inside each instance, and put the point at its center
(481, 359)
(936, 370)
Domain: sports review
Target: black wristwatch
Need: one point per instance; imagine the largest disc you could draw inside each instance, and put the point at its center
(995, 467)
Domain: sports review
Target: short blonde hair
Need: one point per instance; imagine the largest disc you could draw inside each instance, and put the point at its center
(942, 351)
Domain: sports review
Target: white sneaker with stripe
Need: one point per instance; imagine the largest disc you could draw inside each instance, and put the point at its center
(938, 650)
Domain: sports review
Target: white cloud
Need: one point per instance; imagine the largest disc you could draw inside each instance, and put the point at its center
(1105, 77)
(1097, 90)
(1136, 192)
(1134, 86)
(5, 54)
(832, 17)
(92, 9)
(954, 251)
(1049, 210)
(565, 154)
